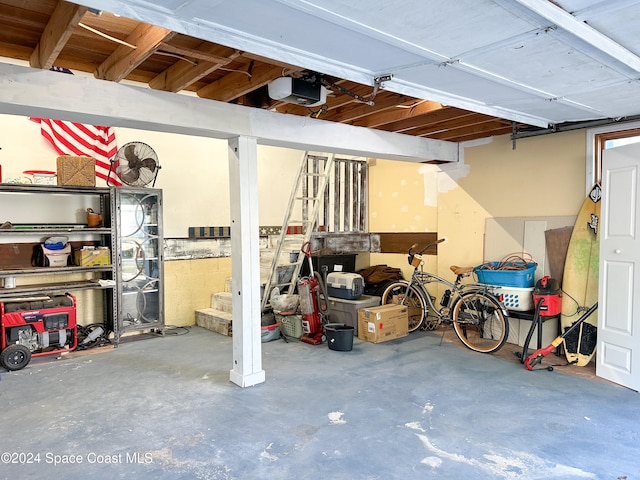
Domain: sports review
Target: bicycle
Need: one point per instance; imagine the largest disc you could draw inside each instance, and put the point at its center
(479, 318)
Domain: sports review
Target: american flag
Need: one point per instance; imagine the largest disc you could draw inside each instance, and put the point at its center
(79, 139)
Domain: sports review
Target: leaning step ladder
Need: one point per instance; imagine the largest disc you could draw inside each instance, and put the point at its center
(300, 219)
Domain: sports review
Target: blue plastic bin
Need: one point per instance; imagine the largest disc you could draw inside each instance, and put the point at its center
(521, 278)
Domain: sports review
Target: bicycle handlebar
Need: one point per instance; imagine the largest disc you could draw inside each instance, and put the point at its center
(427, 247)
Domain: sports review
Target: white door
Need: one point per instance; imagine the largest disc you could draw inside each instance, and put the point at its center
(618, 352)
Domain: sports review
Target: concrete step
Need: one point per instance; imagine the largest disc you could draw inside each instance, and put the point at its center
(222, 301)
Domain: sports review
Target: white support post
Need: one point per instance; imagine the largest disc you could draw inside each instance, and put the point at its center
(245, 253)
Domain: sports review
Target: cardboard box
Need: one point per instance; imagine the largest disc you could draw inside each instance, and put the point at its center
(92, 257)
(76, 171)
(383, 323)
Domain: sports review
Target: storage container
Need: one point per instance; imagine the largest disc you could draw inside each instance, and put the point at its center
(42, 177)
(515, 298)
(339, 337)
(56, 258)
(76, 171)
(269, 327)
(517, 275)
(268, 333)
(290, 325)
(346, 311)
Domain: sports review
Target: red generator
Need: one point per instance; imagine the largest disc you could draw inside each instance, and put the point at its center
(34, 326)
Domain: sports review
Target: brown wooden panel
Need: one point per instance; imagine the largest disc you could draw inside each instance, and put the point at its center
(557, 242)
(401, 242)
(16, 255)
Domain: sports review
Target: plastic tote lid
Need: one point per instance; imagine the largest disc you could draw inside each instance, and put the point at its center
(56, 243)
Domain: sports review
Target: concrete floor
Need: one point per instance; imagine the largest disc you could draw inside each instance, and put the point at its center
(163, 408)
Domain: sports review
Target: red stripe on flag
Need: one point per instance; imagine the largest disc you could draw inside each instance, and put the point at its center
(70, 138)
(90, 138)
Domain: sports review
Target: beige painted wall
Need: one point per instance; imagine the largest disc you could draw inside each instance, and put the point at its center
(543, 176)
(402, 198)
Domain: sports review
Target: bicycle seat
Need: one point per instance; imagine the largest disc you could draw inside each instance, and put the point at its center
(461, 270)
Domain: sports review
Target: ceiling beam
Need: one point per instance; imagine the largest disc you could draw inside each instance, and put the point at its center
(183, 73)
(401, 112)
(428, 118)
(30, 92)
(473, 132)
(63, 21)
(15, 51)
(355, 111)
(146, 39)
(205, 51)
(461, 123)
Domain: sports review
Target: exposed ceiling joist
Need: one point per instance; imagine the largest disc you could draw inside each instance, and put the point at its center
(414, 110)
(146, 38)
(59, 29)
(184, 73)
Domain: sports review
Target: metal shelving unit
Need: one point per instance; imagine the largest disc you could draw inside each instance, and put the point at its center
(102, 277)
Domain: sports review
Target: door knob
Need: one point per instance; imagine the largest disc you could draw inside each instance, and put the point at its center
(617, 251)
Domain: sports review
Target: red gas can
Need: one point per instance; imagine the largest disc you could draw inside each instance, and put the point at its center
(547, 290)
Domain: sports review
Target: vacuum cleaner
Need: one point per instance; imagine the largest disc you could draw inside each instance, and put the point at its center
(313, 303)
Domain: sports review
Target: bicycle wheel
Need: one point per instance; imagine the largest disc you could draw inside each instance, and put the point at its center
(479, 322)
(405, 294)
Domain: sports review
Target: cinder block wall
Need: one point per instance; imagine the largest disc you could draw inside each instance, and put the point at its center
(189, 285)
